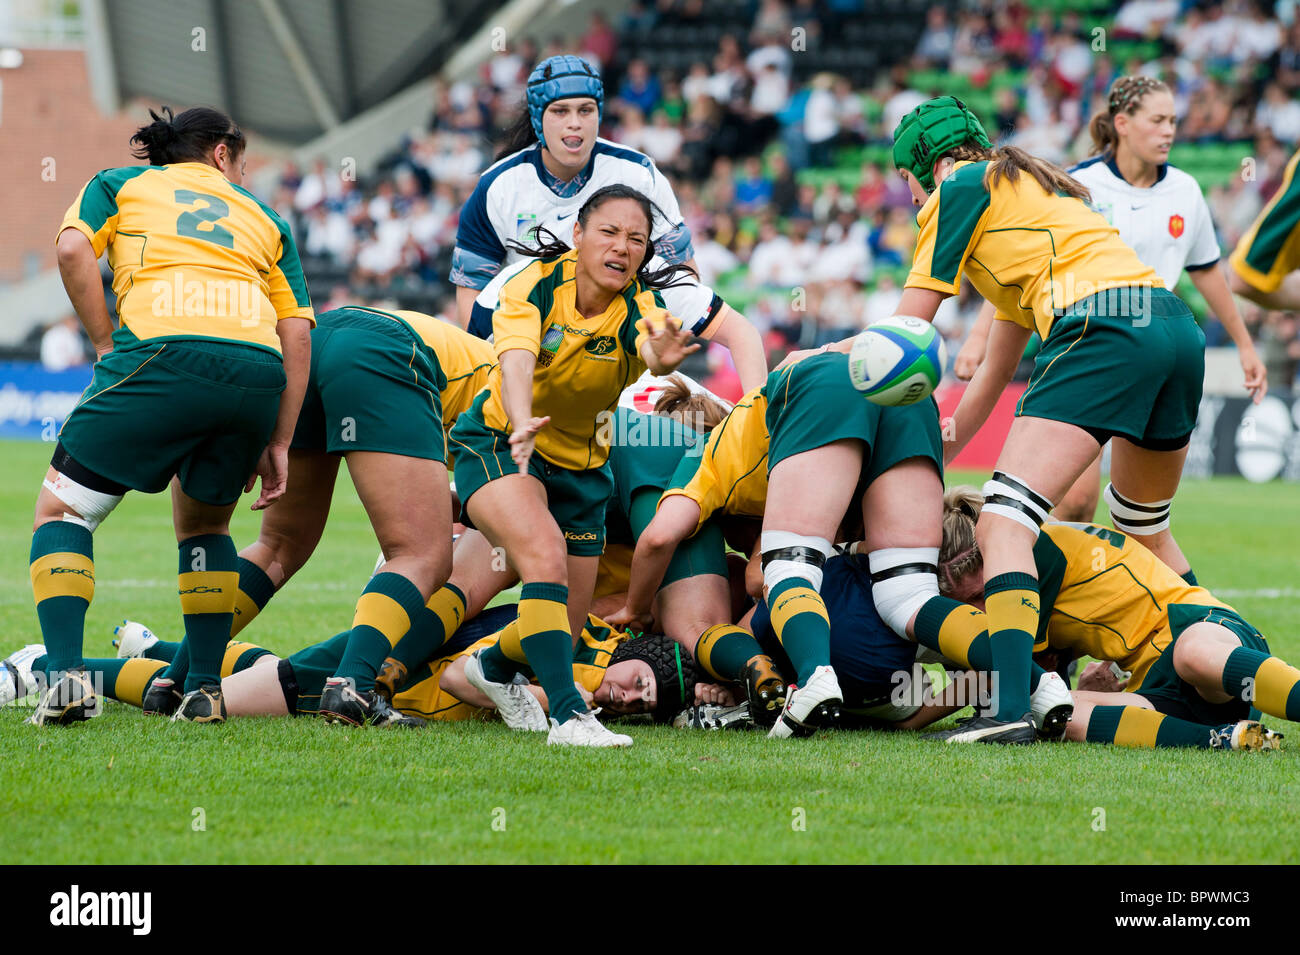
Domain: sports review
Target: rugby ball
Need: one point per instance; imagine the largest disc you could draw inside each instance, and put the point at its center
(897, 361)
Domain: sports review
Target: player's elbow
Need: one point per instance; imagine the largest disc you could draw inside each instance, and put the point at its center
(73, 248)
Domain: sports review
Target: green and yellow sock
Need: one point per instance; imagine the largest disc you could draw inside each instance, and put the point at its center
(723, 651)
(1147, 729)
(63, 583)
(208, 582)
(164, 650)
(960, 633)
(1011, 601)
(254, 593)
(799, 618)
(432, 627)
(179, 668)
(547, 644)
(124, 680)
(1264, 681)
(502, 660)
(384, 614)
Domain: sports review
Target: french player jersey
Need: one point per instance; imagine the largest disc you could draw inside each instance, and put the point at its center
(517, 195)
(1168, 225)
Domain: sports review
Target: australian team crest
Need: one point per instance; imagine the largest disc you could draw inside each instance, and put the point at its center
(1176, 225)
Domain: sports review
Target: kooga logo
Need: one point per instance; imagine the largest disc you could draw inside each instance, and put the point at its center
(102, 908)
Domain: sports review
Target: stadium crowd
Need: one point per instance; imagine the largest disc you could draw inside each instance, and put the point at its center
(812, 257)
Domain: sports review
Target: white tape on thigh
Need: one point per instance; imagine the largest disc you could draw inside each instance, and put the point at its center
(91, 506)
(1009, 501)
(1137, 518)
(898, 598)
(775, 571)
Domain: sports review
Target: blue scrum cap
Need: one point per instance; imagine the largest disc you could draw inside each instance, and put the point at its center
(561, 77)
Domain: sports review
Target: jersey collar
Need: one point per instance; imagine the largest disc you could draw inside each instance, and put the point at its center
(1114, 167)
(562, 189)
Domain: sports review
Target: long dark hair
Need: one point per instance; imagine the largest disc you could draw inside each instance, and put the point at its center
(550, 246)
(1011, 161)
(518, 135)
(189, 137)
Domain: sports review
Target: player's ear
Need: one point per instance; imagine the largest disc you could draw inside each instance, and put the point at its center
(577, 233)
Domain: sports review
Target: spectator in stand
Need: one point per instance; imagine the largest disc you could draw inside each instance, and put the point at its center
(640, 87)
(1258, 36)
(1006, 113)
(901, 101)
(830, 202)
(63, 345)
(1286, 65)
(973, 46)
(1278, 114)
(849, 113)
(697, 83)
(806, 199)
(774, 50)
(600, 43)
(772, 19)
(771, 90)
(785, 191)
(934, 49)
(869, 193)
(1144, 19)
(820, 123)
(320, 184)
(712, 258)
(329, 235)
(753, 188)
(883, 302)
(1011, 36)
(729, 74)
(663, 141)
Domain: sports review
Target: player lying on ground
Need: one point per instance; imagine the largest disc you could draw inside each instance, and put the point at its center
(621, 675)
(1194, 661)
(383, 388)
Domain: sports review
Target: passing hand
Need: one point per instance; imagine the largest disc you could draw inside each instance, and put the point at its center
(273, 469)
(523, 439)
(1256, 377)
(671, 344)
(626, 620)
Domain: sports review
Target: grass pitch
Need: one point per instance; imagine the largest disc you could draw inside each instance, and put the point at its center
(123, 789)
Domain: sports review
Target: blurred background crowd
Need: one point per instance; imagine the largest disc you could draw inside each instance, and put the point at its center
(773, 119)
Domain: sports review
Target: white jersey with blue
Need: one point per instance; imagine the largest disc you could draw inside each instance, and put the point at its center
(517, 194)
(1168, 225)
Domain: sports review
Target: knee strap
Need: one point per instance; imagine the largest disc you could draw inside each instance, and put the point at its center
(902, 580)
(1012, 498)
(787, 555)
(1137, 518)
(93, 506)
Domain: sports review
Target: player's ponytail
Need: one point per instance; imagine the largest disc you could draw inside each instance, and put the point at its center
(1124, 96)
(1010, 161)
(695, 409)
(549, 245)
(959, 554)
(189, 137)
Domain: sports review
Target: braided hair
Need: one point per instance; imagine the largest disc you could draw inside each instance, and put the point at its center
(675, 672)
(959, 554)
(1125, 96)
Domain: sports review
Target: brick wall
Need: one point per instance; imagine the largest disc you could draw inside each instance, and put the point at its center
(49, 127)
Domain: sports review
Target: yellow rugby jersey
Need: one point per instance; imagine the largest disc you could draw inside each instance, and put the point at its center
(466, 361)
(1028, 252)
(731, 473)
(582, 363)
(1108, 596)
(193, 255)
(422, 696)
(1270, 249)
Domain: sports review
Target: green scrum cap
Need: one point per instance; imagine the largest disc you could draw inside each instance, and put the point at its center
(929, 131)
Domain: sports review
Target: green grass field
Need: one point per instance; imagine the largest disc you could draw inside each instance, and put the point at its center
(128, 789)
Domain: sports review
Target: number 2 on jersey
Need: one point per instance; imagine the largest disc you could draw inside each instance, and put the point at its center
(201, 223)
